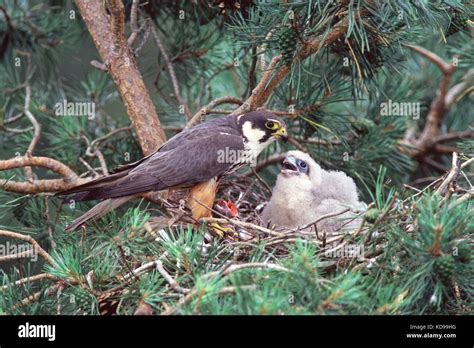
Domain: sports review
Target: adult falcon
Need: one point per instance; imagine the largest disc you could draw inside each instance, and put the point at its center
(195, 158)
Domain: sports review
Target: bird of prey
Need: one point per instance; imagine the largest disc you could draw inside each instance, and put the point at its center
(195, 158)
(304, 192)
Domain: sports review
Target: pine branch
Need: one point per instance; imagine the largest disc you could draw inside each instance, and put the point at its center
(171, 71)
(273, 76)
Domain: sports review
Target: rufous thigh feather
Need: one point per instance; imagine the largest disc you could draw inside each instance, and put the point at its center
(201, 199)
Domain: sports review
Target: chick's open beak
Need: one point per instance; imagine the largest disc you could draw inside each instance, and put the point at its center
(290, 163)
(281, 134)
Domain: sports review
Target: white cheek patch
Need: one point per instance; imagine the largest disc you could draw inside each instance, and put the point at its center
(254, 135)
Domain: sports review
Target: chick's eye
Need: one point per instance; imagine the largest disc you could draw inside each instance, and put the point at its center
(271, 125)
(303, 165)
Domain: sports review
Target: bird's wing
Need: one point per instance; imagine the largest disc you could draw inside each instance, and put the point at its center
(347, 220)
(225, 124)
(189, 163)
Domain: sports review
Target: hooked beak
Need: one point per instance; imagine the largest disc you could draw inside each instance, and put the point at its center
(281, 134)
(289, 166)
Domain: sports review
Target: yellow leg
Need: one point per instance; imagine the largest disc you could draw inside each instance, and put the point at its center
(224, 232)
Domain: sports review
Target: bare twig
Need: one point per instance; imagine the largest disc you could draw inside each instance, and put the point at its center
(438, 107)
(69, 177)
(452, 175)
(263, 48)
(29, 114)
(145, 28)
(457, 91)
(133, 23)
(174, 79)
(200, 115)
(169, 279)
(98, 65)
(321, 218)
(30, 279)
(186, 299)
(44, 162)
(26, 238)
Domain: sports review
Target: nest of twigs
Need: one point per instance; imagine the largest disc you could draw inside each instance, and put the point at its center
(357, 247)
(250, 193)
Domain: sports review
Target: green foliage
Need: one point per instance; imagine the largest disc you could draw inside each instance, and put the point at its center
(418, 247)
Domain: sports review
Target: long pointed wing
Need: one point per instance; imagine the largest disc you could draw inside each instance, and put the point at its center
(191, 162)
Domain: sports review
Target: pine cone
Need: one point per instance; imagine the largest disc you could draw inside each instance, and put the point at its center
(444, 267)
(363, 125)
(371, 215)
(287, 44)
(82, 299)
(458, 22)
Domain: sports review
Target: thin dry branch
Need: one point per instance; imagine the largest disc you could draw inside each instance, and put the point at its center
(69, 177)
(425, 141)
(26, 238)
(45, 162)
(201, 114)
(133, 23)
(158, 265)
(186, 299)
(169, 279)
(452, 175)
(263, 48)
(30, 279)
(14, 118)
(174, 79)
(26, 111)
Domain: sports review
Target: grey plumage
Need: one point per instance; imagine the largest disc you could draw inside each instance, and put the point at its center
(304, 192)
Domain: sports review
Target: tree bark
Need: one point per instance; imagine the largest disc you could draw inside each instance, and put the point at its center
(108, 34)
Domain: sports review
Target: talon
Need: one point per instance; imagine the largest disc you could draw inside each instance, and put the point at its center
(224, 232)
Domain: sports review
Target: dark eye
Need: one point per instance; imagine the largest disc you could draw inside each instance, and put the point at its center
(303, 165)
(271, 125)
